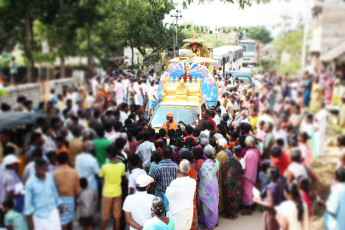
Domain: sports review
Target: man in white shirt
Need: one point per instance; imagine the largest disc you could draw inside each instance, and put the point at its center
(320, 121)
(153, 97)
(152, 75)
(244, 117)
(217, 116)
(145, 150)
(137, 207)
(123, 112)
(180, 194)
(232, 104)
(280, 133)
(133, 163)
(95, 81)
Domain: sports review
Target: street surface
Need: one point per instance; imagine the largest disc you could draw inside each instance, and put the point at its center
(254, 222)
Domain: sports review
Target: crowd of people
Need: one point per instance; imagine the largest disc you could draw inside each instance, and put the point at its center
(94, 158)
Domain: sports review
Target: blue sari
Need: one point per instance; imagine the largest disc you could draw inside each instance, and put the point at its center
(208, 193)
(307, 93)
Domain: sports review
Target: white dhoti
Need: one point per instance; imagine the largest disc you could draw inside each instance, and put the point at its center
(183, 219)
(51, 223)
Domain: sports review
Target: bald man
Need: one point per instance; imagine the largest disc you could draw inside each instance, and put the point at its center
(170, 123)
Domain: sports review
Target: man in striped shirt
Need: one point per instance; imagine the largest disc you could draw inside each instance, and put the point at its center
(164, 173)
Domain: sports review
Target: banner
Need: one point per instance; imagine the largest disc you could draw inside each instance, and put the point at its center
(209, 85)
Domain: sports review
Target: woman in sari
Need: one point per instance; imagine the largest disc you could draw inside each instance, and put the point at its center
(337, 91)
(159, 222)
(232, 183)
(272, 196)
(222, 155)
(307, 89)
(199, 160)
(317, 96)
(194, 175)
(252, 161)
(208, 190)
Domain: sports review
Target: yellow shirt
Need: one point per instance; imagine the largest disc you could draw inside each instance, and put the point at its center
(254, 121)
(112, 173)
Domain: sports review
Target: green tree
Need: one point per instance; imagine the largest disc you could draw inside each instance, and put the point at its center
(290, 45)
(259, 33)
(144, 27)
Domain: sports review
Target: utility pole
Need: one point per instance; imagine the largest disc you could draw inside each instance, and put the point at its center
(176, 16)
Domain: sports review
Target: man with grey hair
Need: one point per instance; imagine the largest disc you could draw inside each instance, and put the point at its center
(180, 194)
(88, 134)
(87, 166)
(244, 117)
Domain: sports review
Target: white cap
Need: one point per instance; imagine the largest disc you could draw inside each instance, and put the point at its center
(144, 180)
(10, 159)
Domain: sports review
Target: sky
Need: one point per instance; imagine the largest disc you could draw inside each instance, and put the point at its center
(270, 15)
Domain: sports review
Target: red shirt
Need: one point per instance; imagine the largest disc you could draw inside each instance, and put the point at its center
(212, 122)
(282, 162)
(133, 146)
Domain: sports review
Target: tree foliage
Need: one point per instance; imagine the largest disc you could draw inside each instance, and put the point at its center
(259, 33)
(90, 28)
(289, 45)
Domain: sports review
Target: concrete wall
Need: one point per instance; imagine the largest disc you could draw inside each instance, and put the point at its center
(34, 91)
(333, 22)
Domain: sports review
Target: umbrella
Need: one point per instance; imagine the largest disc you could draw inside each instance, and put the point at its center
(12, 120)
(202, 59)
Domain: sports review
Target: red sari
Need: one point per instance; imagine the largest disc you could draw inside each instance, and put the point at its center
(194, 175)
(198, 165)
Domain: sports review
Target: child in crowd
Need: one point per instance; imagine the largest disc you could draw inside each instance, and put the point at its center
(264, 180)
(133, 163)
(162, 133)
(306, 151)
(53, 165)
(87, 205)
(190, 143)
(271, 196)
(196, 133)
(280, 159)
(304, 189)
(155, 159)
(13, 219)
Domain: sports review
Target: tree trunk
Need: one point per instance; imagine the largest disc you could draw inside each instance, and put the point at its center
(89, 46)
(62, 57)
(62, 67)
(132, 60)
(29, 44)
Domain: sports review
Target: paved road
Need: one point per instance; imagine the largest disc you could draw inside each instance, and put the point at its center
(254, 222)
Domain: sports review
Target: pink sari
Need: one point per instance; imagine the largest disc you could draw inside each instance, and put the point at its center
(252, 159)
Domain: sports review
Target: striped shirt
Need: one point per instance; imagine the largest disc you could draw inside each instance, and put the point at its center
(163, 174)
